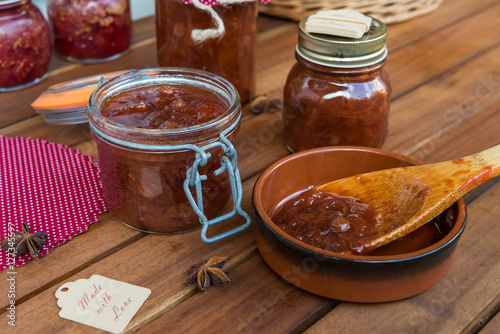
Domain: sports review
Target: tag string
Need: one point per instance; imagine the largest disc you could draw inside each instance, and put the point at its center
(201, 35)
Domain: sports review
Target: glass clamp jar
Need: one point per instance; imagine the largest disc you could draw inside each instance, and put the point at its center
(90, 31)
(169, 180)
(25, 45)
(338, 92)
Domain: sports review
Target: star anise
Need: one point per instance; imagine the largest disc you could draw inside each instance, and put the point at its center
(22, 242)
(208, 273)
(262, 103)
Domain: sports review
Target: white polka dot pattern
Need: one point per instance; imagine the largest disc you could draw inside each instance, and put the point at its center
(53, 188)
(216, 2)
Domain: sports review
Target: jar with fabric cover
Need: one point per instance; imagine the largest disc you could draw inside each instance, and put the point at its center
(218, 36)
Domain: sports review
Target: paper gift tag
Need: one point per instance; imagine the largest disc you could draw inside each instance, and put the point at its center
(100, 302)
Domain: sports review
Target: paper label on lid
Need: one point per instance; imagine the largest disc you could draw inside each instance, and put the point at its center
(100, 302)
(341, 22)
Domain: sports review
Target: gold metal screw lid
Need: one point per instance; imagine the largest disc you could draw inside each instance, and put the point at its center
(336, 51)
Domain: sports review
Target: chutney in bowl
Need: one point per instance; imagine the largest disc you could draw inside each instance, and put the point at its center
(399, 270)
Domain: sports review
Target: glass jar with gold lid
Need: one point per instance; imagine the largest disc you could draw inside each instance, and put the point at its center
(338, 92)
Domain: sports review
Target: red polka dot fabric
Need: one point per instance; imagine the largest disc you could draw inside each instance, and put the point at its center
(217, 2)
(53, 188)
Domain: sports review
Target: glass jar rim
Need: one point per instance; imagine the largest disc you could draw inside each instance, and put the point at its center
(339, 63)
(6, 4)
(157, 76)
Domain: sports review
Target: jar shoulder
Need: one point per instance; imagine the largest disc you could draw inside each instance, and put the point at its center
(302, 81)
(341, 75)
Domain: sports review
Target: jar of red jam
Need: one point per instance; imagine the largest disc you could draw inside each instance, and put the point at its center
(90, 31)
(25, 45)
(164, 141)
(338, 92)
(230, 54)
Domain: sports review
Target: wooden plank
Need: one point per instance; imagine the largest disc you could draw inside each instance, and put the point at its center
(470, 136)
(265, 23)
(80, 252)
(275, 46)
(493, 326)
(434, 109)
(158, 262)
(426, 58)
(476, 133)
(472, 283)
(485, 320)
(144, 29)
(256, 300)
(448, 13)
(260, 143)
(35, 127)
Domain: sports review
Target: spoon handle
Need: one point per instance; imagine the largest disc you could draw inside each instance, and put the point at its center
(468, 172)
(490, 158)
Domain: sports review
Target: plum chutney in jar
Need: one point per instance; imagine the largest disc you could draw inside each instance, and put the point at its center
(144, 127)
(232, 55)
(25, 45)
(90, 31)
(163, 107)
(338, 92)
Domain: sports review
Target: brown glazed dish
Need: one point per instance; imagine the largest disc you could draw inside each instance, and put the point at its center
(355, 278)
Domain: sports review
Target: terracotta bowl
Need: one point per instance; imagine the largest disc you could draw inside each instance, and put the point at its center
(356, 278)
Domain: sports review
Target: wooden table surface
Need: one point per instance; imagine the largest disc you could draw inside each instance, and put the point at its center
(445, 73)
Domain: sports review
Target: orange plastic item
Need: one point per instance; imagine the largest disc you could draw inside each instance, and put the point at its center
(55, 100)
(71, 93)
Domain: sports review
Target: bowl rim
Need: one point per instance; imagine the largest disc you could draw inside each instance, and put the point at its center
(264, 218)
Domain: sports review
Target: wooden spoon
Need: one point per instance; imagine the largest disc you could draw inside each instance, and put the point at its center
(406, 198)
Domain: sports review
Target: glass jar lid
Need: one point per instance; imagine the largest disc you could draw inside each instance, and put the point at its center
(329, 50)
(66, 103)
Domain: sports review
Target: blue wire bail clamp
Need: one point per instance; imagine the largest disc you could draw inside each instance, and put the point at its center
(229, 164)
